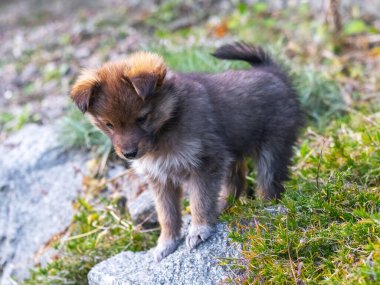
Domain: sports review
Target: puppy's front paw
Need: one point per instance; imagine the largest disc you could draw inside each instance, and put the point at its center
(197, 234)
(164, 248)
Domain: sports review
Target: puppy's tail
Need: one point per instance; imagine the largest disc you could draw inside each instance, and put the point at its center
(255, 56)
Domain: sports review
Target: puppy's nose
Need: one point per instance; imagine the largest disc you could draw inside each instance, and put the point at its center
(130, 154)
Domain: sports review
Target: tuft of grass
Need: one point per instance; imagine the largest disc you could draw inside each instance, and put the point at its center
(327, 227)
(197, 59)
(95, 235)
(10, 122)
(77, 131)
(319, 96)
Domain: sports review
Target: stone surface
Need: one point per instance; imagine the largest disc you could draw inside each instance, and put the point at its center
(142, 210)
(183, 267)
(140, 200)
(38, 183)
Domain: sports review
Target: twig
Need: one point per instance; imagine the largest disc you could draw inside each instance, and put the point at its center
(125, 172)
(104, 160)
(230, 269)
(290, 258)
(369, 120)
(150, 230)
(103, 233)
(336, 19)
(119, 220)
(319, 165)
(364, 41)
(83, 235)
(299, 271)
(140, 225)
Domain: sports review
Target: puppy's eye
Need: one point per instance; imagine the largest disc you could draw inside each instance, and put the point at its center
(141, 120)
(109, 125)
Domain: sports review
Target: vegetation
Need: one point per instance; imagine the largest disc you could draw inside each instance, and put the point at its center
(326, 228)
(78, 132)
(95, 235)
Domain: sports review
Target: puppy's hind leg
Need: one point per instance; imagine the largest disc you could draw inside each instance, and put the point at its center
(167, 198)
(234, 184)
(272, 170)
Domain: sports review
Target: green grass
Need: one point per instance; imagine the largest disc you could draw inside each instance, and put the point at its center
(10, 122)
(329, 232)
(95, 234)
(78, 132)
(319, 96)
(197, 59)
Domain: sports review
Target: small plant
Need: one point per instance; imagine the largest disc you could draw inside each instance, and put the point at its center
(319, 96)
(77, 131)
(10, 122)
(197, 59)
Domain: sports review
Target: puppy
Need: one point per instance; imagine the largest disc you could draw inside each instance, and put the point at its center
(193, 131)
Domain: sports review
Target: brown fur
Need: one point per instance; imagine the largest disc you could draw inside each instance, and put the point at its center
(193, 131)
(145, 62)
(234, 183)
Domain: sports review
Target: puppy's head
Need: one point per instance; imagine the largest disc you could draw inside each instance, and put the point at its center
(126, 101)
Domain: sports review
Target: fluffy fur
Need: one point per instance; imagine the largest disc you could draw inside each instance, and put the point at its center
(145, 62)
(194, 131)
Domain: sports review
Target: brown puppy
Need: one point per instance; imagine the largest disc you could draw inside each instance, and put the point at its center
(193, 131)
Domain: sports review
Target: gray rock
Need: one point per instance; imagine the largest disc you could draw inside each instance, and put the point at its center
(29, 73)
(142, 210)
(140, 201)
(183, 267)
(38, 183)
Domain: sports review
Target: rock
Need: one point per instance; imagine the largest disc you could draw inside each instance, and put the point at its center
(83, 52)
(39, 180)
(51, 111)
(134, 190)
(183, 267)
(29, 73)
(142, 210)
(140, 201)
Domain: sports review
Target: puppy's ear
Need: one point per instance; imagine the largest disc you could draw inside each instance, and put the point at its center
(146, 71)
(84, 89)
(146, 84)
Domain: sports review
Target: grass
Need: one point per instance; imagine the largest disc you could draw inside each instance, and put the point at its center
(10, 122)
(319, 96)
(95, 235)
(329, 232)
(327, 227)
(78, 132)
(197, 59)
